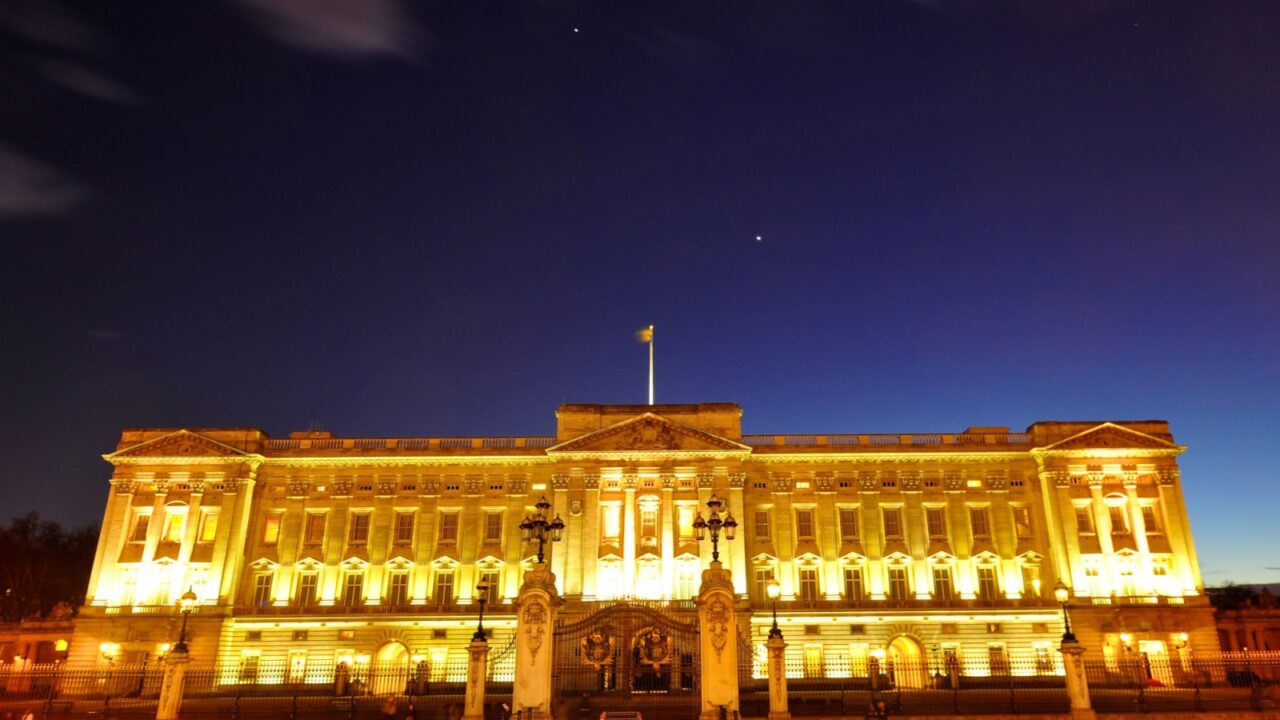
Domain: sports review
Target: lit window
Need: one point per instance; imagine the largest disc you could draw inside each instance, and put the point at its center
(1119, 519)
(978, 522)
(649, 521)
(449, 527)
(208, 527)
(489, 578)
(1022, 521)
(808, 583)
(804, 524)
(307, 584)
(853, 587)
(444, 587)
(942, 589)
(936, 520)
(610, 528)
(987, 585)
(1084, 520)
(763, 576)
(761, 524)
(849, 524)
(398, 589)
(893, 523)
(359, 527)
(898, 589)
(1151, 520)
(684, 521)
(140, 525)
(271, 529)
(404, 527)
(353, 588)
(174, 523)
(262, 589)
(1031, 580)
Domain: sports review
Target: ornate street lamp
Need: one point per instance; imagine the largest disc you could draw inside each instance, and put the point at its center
(774, 588)
(1063, 593)
(186, 603)
(536, 527)
(715, 523)
(483, 589)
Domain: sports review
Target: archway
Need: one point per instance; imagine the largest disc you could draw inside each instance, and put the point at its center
(907, 662)
(390, 669)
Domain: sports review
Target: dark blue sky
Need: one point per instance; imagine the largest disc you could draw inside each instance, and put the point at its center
(448, 218)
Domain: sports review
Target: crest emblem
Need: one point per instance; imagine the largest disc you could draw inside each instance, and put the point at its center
(653, 648)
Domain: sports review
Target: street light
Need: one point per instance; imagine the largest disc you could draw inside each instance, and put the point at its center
(774, 588)
(536, 527)
(483, 589)
(186, 603)
(1062, 593)
(714, 523)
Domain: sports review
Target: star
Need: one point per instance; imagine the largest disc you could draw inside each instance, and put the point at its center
(759, 238)
(575, 29)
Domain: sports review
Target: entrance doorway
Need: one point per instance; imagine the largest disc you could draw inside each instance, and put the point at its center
(907, 662)
(390, 673)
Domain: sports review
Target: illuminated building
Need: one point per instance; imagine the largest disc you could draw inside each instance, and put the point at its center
(315, 548)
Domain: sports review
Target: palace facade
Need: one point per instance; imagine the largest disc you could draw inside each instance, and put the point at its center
(314, 549)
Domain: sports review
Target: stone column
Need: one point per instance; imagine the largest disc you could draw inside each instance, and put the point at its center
(175, 671)
(477, 663)
(719, 643)
(1077, 683)
(777, 678)
(535, 624)
(629, 536)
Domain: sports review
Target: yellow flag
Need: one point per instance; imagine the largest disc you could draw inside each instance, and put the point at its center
(645, 335)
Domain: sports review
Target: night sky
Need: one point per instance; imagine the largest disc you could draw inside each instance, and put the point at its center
(395, 219)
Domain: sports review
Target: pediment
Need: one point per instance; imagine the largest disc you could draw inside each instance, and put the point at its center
(1111, 435)
(648, 433)
(180, 443)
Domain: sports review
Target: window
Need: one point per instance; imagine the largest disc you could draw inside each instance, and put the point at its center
(610, 527)
(315, 528)
(942, 588)
(249, 665)
(398, 588)
(271, 529)
(853, 588)
(298, 665)
(1084, 520)
(808, 583)
(449, 527)
(761, 524)
(262, 589)
(997, 659)
(1022, 521)
(936, 520)
(684, 521)
(208, 527)
(307, 584)
(978, 522)
(849, 524)
(648, 522)
(140, 525)
(489, 578)
(359, 528)
(493, 527)
(1151, 520)
(898, 583)
(804, 524)
(1119, 519)
(686, 579)
(353, 588)
(987, 586)
(893, 523)
(1031, 581)
(763, 576)
(404, 527)
(174, 523)
(444, 587)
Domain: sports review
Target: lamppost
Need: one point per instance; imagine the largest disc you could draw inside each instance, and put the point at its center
(536, 527)
(715, 523)
(774, 588)
(483, 590)
(1063, 593)
(186, 603)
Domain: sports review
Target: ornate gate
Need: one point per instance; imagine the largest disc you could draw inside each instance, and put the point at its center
(627, 657)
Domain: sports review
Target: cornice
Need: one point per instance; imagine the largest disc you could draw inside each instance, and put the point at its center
(1108, 452)
(651, 455)
(882, 457)
(407, 461)
(245, 459)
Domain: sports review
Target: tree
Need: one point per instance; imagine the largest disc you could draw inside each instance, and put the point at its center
(42, 564)
(1230, 596)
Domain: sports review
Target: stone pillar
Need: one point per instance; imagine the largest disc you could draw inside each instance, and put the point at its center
(175, 671)
(777, 678)
(719, 643)
(535, 624)
(1077, 683)
(477, 664)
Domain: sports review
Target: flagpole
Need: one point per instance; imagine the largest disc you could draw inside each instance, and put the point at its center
(650, 364)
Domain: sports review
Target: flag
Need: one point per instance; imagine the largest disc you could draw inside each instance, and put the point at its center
(645, 335)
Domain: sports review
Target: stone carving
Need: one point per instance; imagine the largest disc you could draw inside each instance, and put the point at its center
(535, 622)
(591, 481)
(342, 486)
(575, 507)
(737, 480)
(953, 480)
(910, 481)
(718, 625)
(598, 650)
(297, 486)
(629, 479)
(431, 486)
(516, 485)
(782, 482)
(825, 480)
(650, 433)
(473, 484)
(1112, 436)
(996, 480)
(653, 648)
(867, 481)
(668, 481)
(124, 485)
(386, 486)
(706, 480)
(560, 481)
(1168, 476)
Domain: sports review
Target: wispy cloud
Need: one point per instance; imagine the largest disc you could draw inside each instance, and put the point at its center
(51, 24)
(354, 28)
(80, 79)
(29, 187)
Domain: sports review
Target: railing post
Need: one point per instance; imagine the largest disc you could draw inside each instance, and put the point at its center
(778, 708)
(1077, 681)
(171, 686)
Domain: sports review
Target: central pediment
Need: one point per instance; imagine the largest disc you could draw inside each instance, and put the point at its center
(648, 433)
(1110, 435)
(180, 443)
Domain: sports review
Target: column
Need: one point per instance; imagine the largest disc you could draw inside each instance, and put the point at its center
(719, 643)
(737, 549)
(535, 625)
(477, 660)
(778, 709)
(668, 536)
(629, 535)
(1139, 526)
(115, 528)
(590, 534)
(171, 686)
(560, 507)
(237, 529)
